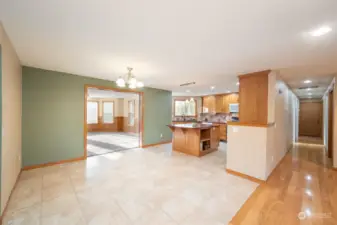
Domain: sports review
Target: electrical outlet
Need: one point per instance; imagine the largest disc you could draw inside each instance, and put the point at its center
(161, 135)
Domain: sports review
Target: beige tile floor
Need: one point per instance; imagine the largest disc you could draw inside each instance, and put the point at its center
(152, 186)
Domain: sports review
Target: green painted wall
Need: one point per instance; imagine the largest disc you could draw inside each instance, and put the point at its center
(53, 115)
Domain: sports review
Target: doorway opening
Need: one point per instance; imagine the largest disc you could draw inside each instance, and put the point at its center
(311, 122)
(113, 120)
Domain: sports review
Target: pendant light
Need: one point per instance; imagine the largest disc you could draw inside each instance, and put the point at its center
(130, 80)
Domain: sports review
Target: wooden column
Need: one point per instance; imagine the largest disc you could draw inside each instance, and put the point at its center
(253, 100)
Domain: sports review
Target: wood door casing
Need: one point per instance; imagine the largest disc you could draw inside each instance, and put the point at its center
(310, 119)
(330, 124)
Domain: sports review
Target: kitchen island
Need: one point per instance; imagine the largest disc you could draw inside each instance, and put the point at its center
(197, 139)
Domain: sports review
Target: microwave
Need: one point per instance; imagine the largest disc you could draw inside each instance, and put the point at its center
(234, 108)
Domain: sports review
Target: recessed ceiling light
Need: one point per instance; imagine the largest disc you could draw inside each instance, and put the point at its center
(307, 81)
(320, 31)
(188, 91)
(212, 87)
(308, 89)
(237, 83)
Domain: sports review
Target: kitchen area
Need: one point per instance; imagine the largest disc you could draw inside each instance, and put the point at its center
(213, 109)
(200, 123)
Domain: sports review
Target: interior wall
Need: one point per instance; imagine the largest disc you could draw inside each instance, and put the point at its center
(11, 117)
(248, 156)
(333, 87)
(335, 125)
(325, 120)
(280, 136)
(53, 115)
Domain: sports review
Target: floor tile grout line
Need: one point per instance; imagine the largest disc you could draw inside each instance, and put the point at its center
(78, 202)
(41, 204)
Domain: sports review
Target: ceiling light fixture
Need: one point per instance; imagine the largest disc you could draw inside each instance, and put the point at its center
(307, 81)
(130, 80)
(188, 91)
(212, 87)
(309, 93)
(228, 91)
(320, 31)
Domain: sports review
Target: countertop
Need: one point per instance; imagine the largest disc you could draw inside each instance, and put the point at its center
(193, 126)
(181, 121)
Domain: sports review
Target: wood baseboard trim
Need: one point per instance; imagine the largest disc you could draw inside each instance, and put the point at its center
(244, 176)
(54, 163)
(155, 144)
(5, 209)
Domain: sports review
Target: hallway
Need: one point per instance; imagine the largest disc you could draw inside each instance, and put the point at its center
(301, 190)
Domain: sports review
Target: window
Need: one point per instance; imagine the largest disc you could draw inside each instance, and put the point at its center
(92, 112)
(131, 113)
(185, 108)
(108, 112)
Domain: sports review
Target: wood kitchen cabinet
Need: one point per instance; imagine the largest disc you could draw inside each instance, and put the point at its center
(223, 132)
(219, 103)
(215, 137)
(229, 99)
(209, 104)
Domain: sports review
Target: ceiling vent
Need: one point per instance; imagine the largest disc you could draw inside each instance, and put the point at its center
(312, 87)
(187, 84)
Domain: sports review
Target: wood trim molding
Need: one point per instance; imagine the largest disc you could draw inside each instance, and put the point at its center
(5, 209)
(244, 176)
(250, 124)
(155, 144)
(53, 163)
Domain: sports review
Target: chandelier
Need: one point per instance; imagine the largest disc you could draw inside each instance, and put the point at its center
(130, 80)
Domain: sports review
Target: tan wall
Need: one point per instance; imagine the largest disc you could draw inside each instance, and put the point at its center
(127, 128)
(11, 117)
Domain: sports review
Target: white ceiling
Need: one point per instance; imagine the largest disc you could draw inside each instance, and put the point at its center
(173, 42)
(96, 93)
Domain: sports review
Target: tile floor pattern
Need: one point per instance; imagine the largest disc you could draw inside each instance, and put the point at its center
(99, 143)
(152, 186)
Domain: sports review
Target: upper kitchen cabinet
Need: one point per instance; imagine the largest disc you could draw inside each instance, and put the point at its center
(223, 101)
(230, 99)
(219, 104)
(209, 104)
